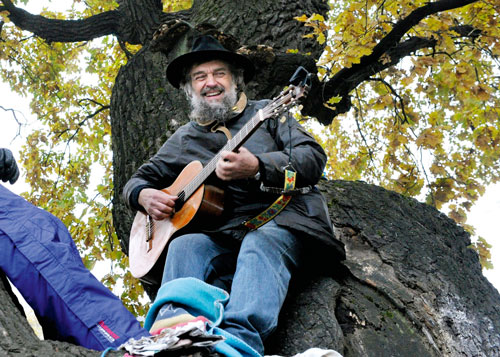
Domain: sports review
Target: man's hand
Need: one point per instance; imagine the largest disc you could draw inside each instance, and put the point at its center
(8, 167)
(237, 165)
(158, 204)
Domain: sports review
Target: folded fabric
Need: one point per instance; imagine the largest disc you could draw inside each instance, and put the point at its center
(170, 317)
(189, 339)
(198, 298)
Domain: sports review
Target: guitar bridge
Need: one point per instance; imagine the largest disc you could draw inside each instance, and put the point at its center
(149, 231)
(149, 228)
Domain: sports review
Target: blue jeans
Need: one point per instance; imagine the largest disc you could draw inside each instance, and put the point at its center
(260, 268)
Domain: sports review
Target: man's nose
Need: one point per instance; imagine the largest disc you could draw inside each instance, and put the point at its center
(211, 81)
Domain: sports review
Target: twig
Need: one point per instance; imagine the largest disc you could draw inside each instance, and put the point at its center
(404, 118)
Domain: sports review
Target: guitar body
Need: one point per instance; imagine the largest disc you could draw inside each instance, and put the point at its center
(148, 239)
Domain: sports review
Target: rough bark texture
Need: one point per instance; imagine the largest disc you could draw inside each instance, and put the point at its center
(410, 286)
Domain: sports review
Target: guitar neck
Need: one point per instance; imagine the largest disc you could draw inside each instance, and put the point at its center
(232, 145)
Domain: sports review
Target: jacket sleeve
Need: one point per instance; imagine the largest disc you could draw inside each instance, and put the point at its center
(307, 156)
(159, 172)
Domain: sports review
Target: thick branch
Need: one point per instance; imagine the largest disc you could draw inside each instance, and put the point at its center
(133, 22)
(54, 30)
(403, 26)
(390, 46)
(345, 81)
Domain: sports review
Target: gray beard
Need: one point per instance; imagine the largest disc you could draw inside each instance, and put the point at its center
(204, 112)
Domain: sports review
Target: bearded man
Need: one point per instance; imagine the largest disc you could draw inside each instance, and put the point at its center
(233, 273)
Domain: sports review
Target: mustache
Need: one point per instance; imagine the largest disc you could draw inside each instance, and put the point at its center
(209, 89)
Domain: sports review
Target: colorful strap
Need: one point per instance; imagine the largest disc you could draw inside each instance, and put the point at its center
(278, 205)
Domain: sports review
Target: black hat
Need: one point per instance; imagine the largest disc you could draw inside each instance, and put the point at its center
(204, 49)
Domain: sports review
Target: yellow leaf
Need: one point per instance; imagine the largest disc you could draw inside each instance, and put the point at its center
(481, 93)
(437, 170)
(458, 215)
(321, 38)
(302, 18)
(317, 17)
(429, 138)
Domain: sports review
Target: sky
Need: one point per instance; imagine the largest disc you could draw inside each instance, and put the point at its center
(483, 215)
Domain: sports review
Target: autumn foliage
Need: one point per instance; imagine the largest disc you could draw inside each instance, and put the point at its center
(427, 127)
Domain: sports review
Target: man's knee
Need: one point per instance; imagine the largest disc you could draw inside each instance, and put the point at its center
(188, 242)
(270, 237)
(188, 256)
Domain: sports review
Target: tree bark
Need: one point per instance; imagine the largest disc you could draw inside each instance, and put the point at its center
(410, 285)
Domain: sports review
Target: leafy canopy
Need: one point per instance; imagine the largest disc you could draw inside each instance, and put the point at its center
(429, 126)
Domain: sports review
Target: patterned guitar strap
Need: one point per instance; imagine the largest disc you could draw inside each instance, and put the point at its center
(287, 192)
(274, 209)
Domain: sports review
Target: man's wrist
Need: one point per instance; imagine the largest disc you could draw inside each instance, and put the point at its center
(134, 198)
(260, 175)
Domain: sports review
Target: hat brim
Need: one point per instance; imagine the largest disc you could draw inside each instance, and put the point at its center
(176, 68)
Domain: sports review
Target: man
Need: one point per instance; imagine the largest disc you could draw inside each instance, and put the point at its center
(40, 258)
(255, 265)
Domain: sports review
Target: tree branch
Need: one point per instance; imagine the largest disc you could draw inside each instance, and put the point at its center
(133, 22)
(359, 114)
(344, 81)
(55, 30)
(403, 118)
(19, 124)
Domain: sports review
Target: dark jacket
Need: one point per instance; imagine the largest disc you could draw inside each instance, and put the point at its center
(306, 214)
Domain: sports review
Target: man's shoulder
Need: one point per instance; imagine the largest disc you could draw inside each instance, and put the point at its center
(258, 104)
(189, 126)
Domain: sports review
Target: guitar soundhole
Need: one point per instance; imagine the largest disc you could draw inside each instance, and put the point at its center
(180, 201)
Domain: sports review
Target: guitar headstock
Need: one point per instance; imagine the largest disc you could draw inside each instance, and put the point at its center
(298, 88)
(300, 82)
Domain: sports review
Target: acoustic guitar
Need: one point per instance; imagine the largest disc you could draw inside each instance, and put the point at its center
(148, 237)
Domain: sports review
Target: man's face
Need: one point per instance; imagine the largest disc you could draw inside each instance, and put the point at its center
(211, 81)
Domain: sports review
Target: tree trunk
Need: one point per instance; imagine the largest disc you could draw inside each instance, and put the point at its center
(410, 285)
